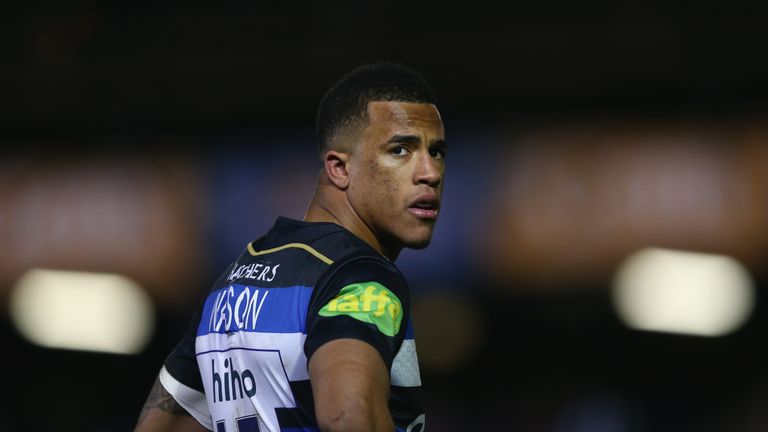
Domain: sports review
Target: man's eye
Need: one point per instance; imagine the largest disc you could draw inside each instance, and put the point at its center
(399, 151)
(437, 154)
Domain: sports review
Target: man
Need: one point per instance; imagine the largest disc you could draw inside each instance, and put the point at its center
(310, 328)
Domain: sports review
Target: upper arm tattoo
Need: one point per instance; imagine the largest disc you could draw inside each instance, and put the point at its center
(160, 399)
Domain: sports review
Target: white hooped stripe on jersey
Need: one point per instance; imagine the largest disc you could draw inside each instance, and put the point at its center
(192, 400)
(405, 366)
(290, 346)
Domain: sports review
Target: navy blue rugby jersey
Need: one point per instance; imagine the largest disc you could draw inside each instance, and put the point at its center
(242, 364)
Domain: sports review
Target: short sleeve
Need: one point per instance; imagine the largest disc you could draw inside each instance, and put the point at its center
(180, 376)
(364, 298)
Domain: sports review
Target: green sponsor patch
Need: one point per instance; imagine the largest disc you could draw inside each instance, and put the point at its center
(369, 302)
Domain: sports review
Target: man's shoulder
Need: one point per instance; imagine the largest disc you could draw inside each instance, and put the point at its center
(361, 264)
(329, 241)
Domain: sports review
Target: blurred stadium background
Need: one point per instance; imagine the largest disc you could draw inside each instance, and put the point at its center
(153, 141)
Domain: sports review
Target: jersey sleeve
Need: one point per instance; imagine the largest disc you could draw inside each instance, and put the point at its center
(180, 376)
(363, 298)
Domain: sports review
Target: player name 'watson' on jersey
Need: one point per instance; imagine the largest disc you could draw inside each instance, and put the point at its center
(242, 365)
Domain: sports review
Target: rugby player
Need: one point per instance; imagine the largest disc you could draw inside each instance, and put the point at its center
(310, 329)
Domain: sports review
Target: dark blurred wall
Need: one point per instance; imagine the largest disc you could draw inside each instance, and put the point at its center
(93, 67)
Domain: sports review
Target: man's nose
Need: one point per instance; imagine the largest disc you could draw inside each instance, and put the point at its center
(428, 170)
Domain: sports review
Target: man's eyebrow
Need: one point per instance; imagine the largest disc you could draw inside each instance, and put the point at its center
(438, 143)
(415, 139)
(404, 139)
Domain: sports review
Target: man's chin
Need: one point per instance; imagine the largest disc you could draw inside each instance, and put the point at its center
(418, 244)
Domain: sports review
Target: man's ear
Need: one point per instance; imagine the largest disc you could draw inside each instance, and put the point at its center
(335, 165)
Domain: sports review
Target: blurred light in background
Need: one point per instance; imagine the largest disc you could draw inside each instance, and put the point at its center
(683, 292)
(82, 311)
(139, 216)
(571, 201)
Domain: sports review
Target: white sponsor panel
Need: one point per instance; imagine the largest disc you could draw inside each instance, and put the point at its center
(290, 345)
(245, 383)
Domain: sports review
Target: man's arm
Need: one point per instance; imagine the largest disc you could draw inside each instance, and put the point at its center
(350, 384)
(161, 413)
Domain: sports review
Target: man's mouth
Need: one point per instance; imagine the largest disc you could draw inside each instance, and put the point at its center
(425, 207)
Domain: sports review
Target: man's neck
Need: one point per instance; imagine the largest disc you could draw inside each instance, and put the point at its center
(331, 205)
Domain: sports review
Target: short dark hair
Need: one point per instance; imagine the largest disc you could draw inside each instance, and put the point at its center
(346, 103)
